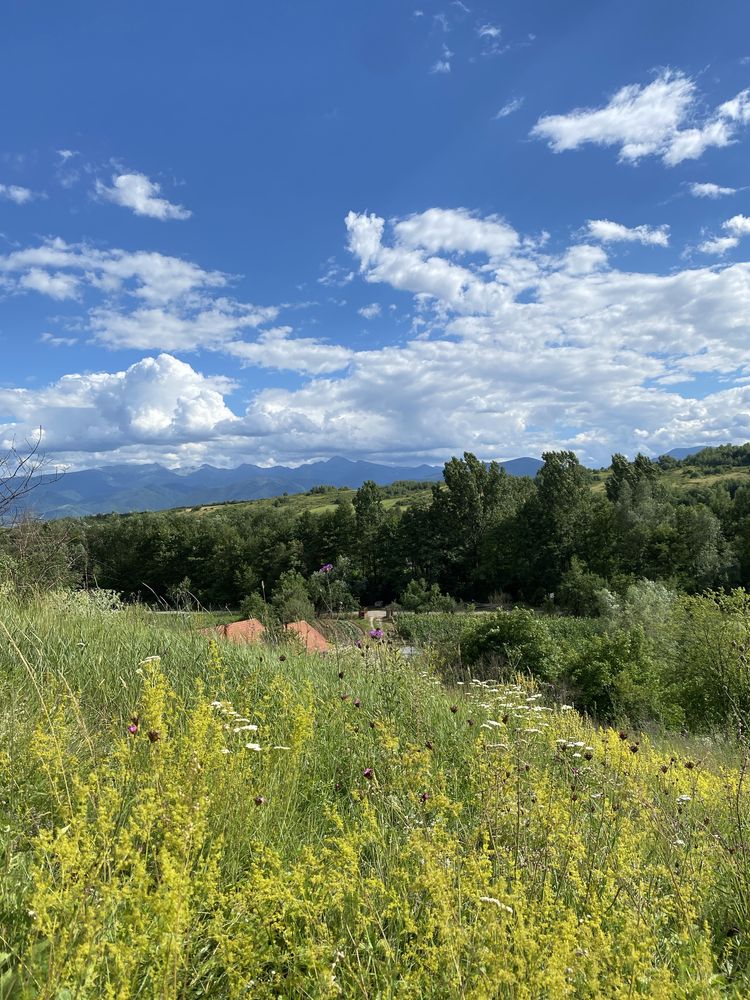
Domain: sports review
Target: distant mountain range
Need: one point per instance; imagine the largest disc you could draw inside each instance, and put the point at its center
(680, 453)
(125, 488)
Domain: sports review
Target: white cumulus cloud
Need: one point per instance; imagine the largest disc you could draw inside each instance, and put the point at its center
(16, 194)
(156, 401)
(709, 190)
(661, 118)
(137, 192)
(612, 232)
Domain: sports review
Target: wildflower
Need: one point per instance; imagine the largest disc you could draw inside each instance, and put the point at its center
(132, 729)
(282, 657)
(225, 750)
(344, 696)
(368, 773)
(341, 675)
(623, 735)
(684, 798)
(496, 902)
(689, 765)
(252, 746)
(248, 728)
(634, 748)
(428, 745)
(424, 796)
(259, 800)
(454, 709)
(376, 633)
(469, 722)
(326, 569)
(566, 708)
(282, 748)
(588, 755)
(356, 703)
(154, 735)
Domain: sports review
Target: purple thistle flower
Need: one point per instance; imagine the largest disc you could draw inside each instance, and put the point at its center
(132, 729)
(368, 773)
(376, 633)
(326, 569)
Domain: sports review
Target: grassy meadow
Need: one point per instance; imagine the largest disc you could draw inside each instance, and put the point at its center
(182, 819)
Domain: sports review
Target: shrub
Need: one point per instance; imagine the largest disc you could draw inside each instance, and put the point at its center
(517, 639)
(421, 596)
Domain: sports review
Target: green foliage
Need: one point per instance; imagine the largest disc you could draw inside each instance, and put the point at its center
(421, 596)
(614, 676)
(291, 598)
(712, 659)
(254, 606)
(387, 848)
(579, 589)
(513, 641)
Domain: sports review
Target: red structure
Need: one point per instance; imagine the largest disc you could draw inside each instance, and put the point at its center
(249, 630)
(312, 640)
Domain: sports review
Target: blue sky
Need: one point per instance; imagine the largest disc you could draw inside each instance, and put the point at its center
(390, 230)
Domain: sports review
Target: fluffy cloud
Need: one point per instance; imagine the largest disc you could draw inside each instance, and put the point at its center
(153, 277)
(516, 349)
(137, 192)
(276, 349)
(710, 190)
(371, 311)
(57, 285)
(149, 301)
(718, 245)
(737, 227)
(651, 120)
(611, 232)
(16, 194)
(158, 401)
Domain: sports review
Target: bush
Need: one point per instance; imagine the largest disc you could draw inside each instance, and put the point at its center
(420, 596)
(614, 676)
(517, 639)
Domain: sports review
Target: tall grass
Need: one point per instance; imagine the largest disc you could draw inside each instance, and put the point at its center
(180, 819)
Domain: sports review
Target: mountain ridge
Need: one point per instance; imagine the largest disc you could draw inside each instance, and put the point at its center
(126, 488)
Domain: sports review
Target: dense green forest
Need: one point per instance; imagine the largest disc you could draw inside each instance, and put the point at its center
(481, 535)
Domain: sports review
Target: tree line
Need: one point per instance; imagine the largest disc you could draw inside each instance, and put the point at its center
(481, 536)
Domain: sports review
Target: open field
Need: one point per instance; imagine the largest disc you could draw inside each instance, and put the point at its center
(183, 820)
